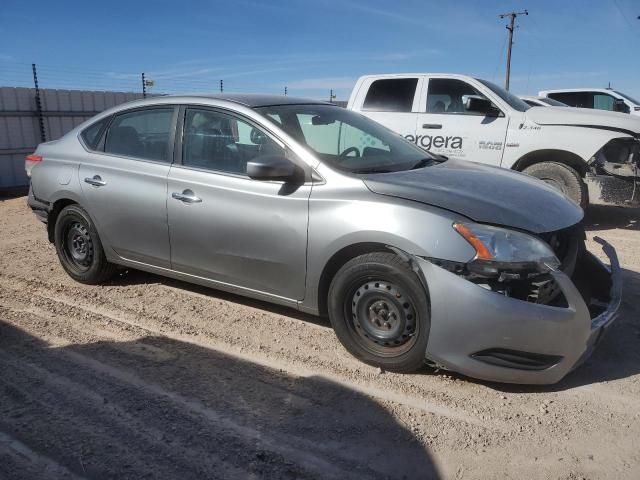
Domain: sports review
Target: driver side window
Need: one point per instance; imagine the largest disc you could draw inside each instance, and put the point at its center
(446, 95)
(216, 141)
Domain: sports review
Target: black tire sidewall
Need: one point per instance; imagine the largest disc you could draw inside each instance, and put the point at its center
(384, 267)
(574, 186)
(100, 268)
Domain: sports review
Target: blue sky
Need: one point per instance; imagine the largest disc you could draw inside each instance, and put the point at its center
(314, 46)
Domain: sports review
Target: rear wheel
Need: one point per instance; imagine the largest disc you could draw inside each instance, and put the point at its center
(379, 311)
(79, 248)
(563, 178)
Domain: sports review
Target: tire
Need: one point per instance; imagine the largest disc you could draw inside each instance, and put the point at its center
(380, 312)
(79, 247)
(563, 178)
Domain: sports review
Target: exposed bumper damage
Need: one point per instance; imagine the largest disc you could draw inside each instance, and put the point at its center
(613, 177)
(492, 336)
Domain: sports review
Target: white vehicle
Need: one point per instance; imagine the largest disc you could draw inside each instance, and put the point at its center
(591, 156)
(596, 98)
(541, 102)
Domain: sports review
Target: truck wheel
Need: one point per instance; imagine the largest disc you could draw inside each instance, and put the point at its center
(563, 178)
(380, 313)
(79, 248)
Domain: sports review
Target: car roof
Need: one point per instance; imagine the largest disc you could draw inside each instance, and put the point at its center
(573, 90)
(253, 100)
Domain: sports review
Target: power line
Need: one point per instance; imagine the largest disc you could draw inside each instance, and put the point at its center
(512, 21)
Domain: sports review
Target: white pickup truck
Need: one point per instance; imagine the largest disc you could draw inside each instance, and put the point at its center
(597, 98)
(592, 156)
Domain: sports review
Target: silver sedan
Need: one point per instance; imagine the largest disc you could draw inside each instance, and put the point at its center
(415, 258)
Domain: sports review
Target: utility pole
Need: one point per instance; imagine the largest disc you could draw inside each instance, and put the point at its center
(285, 91)
(144, 87)
(512, 22)
(221, 86)
(332, 96)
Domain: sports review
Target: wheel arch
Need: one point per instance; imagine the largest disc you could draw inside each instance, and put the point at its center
(565, 157)
(55, 210)
(337, 260)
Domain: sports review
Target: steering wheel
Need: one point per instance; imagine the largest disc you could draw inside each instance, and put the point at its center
(343, 156)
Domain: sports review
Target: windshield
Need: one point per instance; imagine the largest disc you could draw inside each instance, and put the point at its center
(552, 102)
(513, 101)
(632, 100)
(347, 140)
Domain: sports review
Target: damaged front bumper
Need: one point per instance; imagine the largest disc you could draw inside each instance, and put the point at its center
(613, 176)
(607, 189)
(486, 335)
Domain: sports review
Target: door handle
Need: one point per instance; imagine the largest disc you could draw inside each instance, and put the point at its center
(96, 181)
(435, 126)
(187, 196)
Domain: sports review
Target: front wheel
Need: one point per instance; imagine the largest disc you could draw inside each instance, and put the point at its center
(380, 313)
(563, 178)
(79, 248)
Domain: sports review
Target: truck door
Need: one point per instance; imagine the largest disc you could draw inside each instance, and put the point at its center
(393, 102)
(445, 127)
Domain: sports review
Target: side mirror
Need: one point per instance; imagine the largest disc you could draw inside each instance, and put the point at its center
(478, 104)
(620, 106)
(272, 167)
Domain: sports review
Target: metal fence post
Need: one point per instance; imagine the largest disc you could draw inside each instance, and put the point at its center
(144, 87)
(43, 135)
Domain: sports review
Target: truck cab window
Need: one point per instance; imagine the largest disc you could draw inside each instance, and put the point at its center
(391, 95)
(446, 95)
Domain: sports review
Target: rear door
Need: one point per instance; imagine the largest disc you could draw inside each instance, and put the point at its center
(392, 102)
(446, 128)
(125, 183)
(225, 226)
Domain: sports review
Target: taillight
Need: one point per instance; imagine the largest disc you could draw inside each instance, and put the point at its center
(31, 161)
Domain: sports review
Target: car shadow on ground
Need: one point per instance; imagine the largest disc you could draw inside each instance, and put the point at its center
(617, 356)
(600, 217)
(160, 408)
(138, 277)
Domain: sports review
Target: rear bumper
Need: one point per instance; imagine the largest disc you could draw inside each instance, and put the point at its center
(38, 206)
(478, 332)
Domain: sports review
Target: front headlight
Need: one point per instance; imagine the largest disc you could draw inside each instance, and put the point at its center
(501, 251)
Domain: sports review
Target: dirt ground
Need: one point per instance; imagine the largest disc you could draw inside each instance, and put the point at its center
(148, 377)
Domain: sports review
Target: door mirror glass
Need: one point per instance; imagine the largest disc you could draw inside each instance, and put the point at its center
(273, 167)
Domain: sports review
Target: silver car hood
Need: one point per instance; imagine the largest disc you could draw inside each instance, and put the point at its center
(482, 193)
(584, 117)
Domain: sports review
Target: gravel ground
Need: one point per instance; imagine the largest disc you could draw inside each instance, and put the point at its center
(148, 377)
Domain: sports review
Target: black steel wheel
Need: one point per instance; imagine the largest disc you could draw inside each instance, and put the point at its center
(379, 311)
(79, 248)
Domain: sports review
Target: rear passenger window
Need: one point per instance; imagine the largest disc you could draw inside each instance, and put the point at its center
(92, 134)
(574, 99)
(391, 95)
(143, 134)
